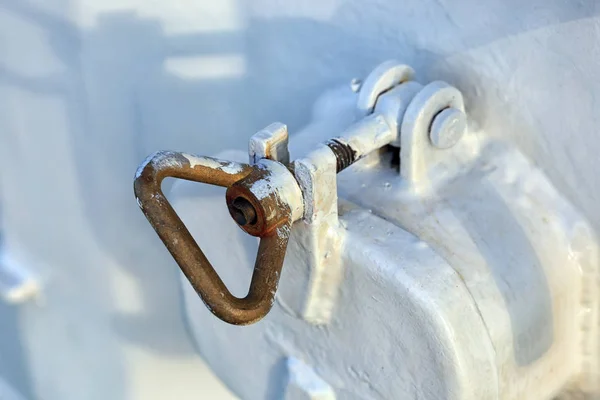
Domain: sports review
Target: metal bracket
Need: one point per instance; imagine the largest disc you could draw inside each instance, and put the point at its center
(433, 122)
(384, 77)
(394, 110)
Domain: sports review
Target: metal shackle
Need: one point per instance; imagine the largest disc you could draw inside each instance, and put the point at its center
(263, 199)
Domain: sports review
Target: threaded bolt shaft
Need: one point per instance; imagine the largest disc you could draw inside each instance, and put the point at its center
(344, 154)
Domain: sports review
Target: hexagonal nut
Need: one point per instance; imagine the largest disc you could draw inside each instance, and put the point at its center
(447, 128)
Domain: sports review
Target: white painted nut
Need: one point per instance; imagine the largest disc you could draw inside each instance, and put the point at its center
(447, 128)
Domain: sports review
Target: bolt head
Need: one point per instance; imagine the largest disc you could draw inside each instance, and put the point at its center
(447, 128)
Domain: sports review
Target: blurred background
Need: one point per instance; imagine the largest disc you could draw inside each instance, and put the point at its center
(89, 88)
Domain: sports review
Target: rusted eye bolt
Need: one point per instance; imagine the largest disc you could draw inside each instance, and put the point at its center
(264, 200)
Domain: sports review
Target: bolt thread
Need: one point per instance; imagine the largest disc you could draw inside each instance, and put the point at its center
(344, 154)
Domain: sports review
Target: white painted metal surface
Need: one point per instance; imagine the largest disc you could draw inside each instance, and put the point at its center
(503, 309)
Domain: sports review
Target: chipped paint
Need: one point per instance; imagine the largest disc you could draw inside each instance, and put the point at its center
(263, 188)
(281, 182)
(144, 163)
(227, 167)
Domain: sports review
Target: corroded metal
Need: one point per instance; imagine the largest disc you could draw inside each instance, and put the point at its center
(274, 231)
(264, 210)
(344, 153)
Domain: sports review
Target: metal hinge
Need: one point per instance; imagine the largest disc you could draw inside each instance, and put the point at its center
(267, 196)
